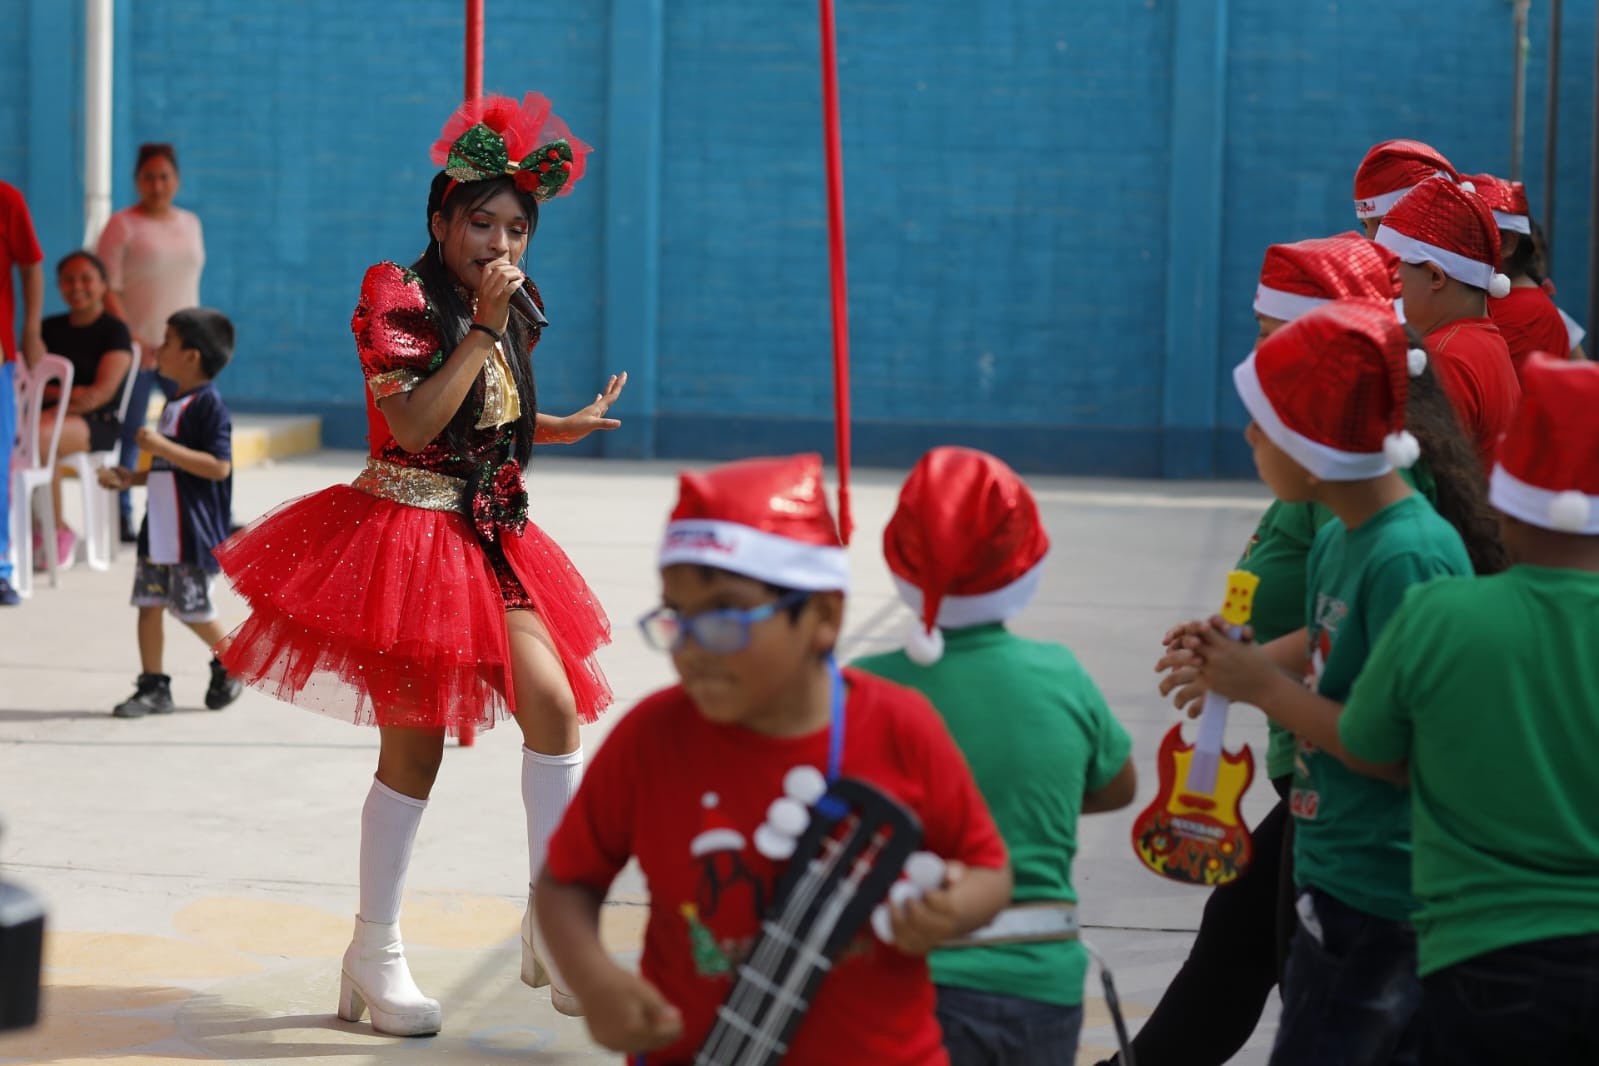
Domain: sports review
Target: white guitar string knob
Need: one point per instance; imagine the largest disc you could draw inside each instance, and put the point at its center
(883, 923)
(774, 844)
(902, 892)
(925, 870)
(788, 816)
(804, 784)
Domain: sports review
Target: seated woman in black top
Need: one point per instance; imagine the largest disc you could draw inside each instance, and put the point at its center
(100, 348)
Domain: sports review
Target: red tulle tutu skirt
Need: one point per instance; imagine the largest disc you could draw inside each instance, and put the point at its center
(385, 614)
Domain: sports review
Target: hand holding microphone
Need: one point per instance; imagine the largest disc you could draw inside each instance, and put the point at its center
(522, 303)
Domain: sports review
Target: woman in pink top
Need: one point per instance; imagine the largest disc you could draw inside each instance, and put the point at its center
(154, 252)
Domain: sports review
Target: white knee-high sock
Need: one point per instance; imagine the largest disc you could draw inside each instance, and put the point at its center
(388, 828)
(548, 784)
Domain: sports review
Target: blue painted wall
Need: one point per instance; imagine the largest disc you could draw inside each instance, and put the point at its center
(1056, 209)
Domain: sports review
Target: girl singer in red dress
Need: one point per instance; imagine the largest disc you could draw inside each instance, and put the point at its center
(420, 598)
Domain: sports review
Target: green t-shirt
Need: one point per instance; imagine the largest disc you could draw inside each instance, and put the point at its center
(1278, 554)
(1352, 832)
(1038, 735)
(1491, 689)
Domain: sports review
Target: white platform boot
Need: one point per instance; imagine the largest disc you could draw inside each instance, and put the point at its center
(536, 973)
(375, 977)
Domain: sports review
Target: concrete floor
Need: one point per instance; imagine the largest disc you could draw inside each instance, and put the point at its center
(199, 869)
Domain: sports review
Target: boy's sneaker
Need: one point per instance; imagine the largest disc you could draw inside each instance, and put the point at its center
(8, 595)
(223, 689)
(153, 696)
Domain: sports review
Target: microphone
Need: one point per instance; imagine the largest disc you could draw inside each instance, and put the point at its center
(522, 301)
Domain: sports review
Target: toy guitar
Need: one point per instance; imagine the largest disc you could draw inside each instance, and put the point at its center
(842, 865)
(1194, 831)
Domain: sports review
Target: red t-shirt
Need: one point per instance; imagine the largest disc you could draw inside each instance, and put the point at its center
(1530, 322)
(18, 247)
(685, 797)
(1473, 366)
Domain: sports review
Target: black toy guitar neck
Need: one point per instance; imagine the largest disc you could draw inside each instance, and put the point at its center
(853, 850)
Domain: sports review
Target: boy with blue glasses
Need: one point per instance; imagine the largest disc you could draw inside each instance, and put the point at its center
(753, 579)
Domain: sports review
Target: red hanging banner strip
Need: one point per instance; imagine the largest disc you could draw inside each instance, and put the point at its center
(835, 247)
(472, 90)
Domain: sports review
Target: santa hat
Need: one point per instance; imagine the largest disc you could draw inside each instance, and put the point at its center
(717, 832)
(1392, 169)
(965, 545)
(1447, 224)
(1330, 389)
(1507, 200)
(763, 518)
(1547, 473)
(1298, 277)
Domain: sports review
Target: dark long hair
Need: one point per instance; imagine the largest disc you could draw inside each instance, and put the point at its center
(1462, 493)
(1522, 261)
(452, 310)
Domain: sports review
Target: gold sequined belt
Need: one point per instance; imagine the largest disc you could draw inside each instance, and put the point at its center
(412, 486)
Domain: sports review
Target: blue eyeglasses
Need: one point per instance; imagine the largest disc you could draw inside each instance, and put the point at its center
(720, 632)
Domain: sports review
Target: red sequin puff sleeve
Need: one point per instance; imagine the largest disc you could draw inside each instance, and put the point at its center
(394, 334)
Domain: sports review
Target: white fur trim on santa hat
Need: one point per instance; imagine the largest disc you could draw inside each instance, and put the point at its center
(1327, 463)
(754, 553)
(1569, 511)
(1457, 266)
(1513, 223)
(1377, 206)
(958, 612)
(1285, 306)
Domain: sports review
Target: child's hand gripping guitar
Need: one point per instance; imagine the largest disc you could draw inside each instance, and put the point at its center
(1194, 831)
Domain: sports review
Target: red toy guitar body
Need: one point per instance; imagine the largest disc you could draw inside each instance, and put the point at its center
(1194, 836)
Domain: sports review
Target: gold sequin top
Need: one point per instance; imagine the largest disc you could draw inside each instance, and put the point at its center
(399, 347)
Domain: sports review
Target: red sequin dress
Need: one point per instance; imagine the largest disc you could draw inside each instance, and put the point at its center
(378, 601)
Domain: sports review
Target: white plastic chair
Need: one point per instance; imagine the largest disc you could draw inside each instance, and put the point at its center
(100, 532)
(32, 471)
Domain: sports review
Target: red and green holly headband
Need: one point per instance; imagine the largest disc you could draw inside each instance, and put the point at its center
(493, 136)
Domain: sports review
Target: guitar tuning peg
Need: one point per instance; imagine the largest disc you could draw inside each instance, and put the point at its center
(925, 870)
(774, 844)
(788, 816)
(804, 784)
(902, 892)
(883, 923)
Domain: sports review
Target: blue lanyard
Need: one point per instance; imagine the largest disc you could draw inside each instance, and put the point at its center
(835, 731)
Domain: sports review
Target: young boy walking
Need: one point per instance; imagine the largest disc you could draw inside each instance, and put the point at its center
(753, 580)
(190, 491)
(1487, 689)
(966, 547)
(1328, 394)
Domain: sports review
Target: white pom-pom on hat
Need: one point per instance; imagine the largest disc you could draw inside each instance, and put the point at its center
(1469, 186)
(1499, 286)
(922, 647)
(1401, 449)
(1568, 511)
(1416, 361)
